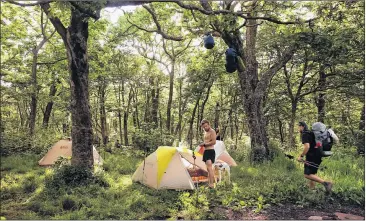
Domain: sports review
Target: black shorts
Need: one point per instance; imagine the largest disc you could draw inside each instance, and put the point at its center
(311, 167)
(209, 155)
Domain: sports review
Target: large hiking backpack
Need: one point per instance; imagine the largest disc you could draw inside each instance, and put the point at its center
(323, 139)
(231, 60)
(208, 41)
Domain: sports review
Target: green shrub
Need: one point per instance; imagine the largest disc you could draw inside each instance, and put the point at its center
(30, 185)
(72, 176)
(69, 203)
(19, 142)
(148, 138)
(14, 142)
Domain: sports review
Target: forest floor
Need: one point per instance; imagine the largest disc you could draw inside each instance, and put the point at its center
(271, 190)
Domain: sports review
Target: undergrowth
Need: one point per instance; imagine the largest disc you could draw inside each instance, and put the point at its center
(32, 192)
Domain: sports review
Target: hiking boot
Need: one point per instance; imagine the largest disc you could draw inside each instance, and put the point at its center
(328, 186)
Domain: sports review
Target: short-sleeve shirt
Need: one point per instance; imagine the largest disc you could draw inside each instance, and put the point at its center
(308, 137)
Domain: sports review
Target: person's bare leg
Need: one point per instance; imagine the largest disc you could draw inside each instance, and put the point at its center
(314, 177)
(210, 173)
(311, 184)
(328, 185)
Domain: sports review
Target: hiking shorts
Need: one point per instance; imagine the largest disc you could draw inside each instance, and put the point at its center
(209, 155)
(308, 168)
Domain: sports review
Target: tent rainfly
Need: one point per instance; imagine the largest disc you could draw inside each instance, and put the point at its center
(64, 148)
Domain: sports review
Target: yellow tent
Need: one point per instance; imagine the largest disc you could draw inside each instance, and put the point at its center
(171, 168)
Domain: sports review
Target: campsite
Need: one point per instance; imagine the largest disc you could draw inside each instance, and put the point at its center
(182, 110)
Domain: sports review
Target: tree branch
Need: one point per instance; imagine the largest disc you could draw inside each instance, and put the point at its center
(86, 10)
(51, 62)
(288, 83)
(166, 51)
(158, 26)
(55, 21)
(240, 14)
(267, 76)
(26, 4)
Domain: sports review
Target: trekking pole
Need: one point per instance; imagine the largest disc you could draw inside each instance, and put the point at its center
(194, 167)
(313, 164)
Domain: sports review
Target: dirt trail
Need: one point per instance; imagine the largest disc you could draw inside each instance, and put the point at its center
(294, 212)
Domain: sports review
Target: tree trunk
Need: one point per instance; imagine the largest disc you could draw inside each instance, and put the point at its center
(120, 114)
(361, 133)
(33, 105)
(20, 115)
(361, 125)
(190, 131)
(82, 132)
(102, 112)
(198, 121)
(236, 128)
(125, 118)
(204, 102)
(280, 129)
(155, 103)
(217, 115)
(170, 99)
(125, 127)
(34, 93)
(136, 108)
(292, 124)
(252, 89)
(180, 117)
(321, 96)
(172, 125)
(147, 107)
(182, 108)
(47, 112)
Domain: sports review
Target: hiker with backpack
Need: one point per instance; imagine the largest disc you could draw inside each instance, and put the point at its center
(314, 154)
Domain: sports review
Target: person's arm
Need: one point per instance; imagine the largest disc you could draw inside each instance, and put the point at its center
(304, 152)
(305, 138)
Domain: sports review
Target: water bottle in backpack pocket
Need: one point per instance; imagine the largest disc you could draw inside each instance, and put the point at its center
(323, 140)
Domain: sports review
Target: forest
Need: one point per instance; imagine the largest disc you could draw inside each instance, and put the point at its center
(122, 78)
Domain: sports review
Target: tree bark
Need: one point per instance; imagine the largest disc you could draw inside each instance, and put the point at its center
(102, 112)
(361, 125)
(82, 132)
(120, 113)
(190, 131)
(280, 129)
(147, 118)
(48, 110)
(155, 92)
(360, 139)
(20, 115)
(198, 121)
(125, 118)
(33, 105)
(170, 99)
(180, 117)
(292, 124)
(204, 102)
(135, 94)
(75, 39)
(253, 89)
(321, 97)
(217, 115)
